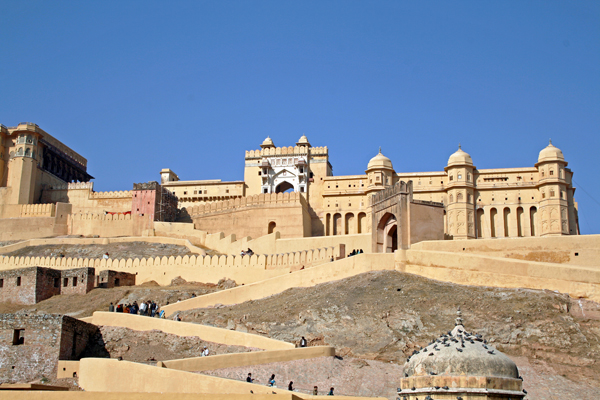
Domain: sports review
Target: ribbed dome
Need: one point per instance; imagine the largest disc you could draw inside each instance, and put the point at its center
(303, 141)
(460, 353)
(551, 153)
(460, 157)
(268, 142)
(380, 162)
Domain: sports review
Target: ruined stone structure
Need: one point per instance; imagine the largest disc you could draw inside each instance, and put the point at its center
(109, 279)
(33, 284)
(460, 365)
(32, 344)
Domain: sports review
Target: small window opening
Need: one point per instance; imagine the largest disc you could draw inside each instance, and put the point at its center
(74, 281)
(1, 283)
(576, 254)
(18, 281)
(65, 282)
(18, 336)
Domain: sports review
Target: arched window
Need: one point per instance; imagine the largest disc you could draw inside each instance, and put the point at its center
(29, 139)
(272, 226)
(20, 151)
(27, 152)
(469, 198)
(459, 197)
(468, 177)
(451, 199)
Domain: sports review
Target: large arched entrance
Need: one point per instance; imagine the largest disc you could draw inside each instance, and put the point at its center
(387, 234)
(284, 187)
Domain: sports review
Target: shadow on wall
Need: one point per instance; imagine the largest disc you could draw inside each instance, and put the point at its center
(96, 347)
(183, 216)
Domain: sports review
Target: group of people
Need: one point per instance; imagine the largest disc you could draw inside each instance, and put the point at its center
(147, 308)
(248, 252)
(271, 383)
(355, 252)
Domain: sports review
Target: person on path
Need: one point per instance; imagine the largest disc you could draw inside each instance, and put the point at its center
(272, 381)
(205, 352)
(315, 391)
(111, 308)
(249, 378)
(330, 392)
(303, 342)
(291, 386)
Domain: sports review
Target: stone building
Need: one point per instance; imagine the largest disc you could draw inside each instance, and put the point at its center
(30, 158)
(154, 202)
(109, 279)
(32, 344)
(477, 203)
(460, 365)
(34, 284)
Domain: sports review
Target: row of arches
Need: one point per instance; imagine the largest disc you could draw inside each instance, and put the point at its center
(346, 224)
(507, 222)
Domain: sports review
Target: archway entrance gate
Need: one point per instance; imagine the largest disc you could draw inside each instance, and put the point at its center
(390, 218)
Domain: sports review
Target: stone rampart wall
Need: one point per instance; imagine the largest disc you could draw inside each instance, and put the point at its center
(208, 269)
(37, 210)
(258, 200)
(480, 270)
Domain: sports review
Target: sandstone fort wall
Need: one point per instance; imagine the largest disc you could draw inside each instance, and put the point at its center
(209, 333)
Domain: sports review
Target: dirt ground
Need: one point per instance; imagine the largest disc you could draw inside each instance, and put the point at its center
(385, 315)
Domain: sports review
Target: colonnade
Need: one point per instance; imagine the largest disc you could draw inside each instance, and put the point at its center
(347, 223)
(515, 221)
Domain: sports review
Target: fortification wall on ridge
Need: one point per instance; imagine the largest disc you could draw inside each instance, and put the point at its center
(207, 269)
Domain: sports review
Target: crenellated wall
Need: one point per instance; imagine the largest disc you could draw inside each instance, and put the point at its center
(290, 150)
(207, 269)
(37, 210)
(82, 197)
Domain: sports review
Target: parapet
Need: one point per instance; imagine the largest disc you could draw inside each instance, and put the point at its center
(263, 199)
(399, 187)
(291, 151)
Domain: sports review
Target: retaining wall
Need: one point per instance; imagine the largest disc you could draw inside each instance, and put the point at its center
(480, 270)
(180, 328)
(245, 359)
(331, 271)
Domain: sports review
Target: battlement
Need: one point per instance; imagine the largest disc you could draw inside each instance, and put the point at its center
(290, 151)
(102, 217)
(111, 195)
(37, 210)
(399, 187)
(72, 186)
(262, 199)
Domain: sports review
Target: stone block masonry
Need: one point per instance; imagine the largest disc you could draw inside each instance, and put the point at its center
(31, 345)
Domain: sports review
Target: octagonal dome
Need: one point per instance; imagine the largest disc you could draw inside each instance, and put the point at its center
(460, 353)
(303, 141)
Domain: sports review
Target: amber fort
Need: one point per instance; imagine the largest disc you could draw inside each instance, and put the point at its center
(506, 228)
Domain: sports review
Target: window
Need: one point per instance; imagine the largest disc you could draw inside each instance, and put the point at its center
(1, 283)
(226, 190)
(468, 198)
(18, 337)
(551, 172)
(302, 189)
(265, 190)
(451, 177)
(542, 174)
(183, 193)
(65, 282)
(74, 281)
(195, 192)
(18, 281)
(459, 176)
(543, 195)
(259, 173)
(468, 177)
(551, 192)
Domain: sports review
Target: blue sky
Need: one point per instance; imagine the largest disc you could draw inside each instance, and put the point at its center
(190, 85)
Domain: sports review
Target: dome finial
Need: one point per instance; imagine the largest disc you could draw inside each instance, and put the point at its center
(460, 148)
(550, 140)
(379, 149)
(459, 320)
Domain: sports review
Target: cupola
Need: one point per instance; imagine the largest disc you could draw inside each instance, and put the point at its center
(267, 143)
(380, 162)
(550, 153)
(303, 141)
(460, 157)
